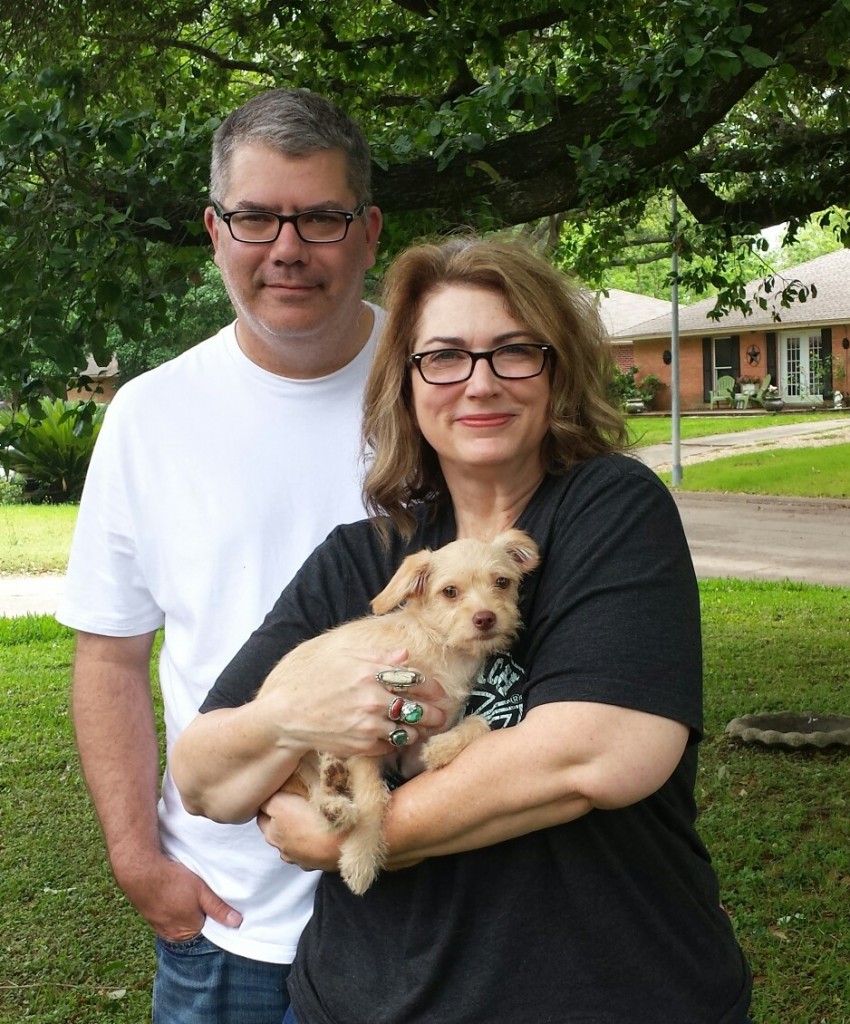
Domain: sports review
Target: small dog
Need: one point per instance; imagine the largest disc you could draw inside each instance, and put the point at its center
(450, 609)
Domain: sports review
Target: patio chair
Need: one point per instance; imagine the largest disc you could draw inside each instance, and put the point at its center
(724, 391)
(758, 397)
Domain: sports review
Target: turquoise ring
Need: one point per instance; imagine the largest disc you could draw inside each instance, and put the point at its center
(411, 712)
(398, 737)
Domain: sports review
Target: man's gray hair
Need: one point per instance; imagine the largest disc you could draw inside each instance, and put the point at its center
(295, 123)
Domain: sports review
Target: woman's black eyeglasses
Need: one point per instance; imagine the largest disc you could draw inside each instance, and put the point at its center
(454, 365)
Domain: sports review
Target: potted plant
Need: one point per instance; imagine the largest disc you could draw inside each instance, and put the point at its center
(648, 388)
(624, 392)
(772, 400)
(748, 385)
(822, 370)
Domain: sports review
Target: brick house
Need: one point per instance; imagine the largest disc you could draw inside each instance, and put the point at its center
(104, 382)
(806, 351)
(620, 310)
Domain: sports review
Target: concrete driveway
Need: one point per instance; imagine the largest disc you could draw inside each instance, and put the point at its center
(754, 537)
(758, 537)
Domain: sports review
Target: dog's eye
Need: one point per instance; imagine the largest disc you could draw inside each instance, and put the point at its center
(502, 583)
(450, 591)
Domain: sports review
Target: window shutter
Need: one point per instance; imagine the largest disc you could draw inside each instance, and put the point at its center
(826, 357)
(707, 376)
(770, 345)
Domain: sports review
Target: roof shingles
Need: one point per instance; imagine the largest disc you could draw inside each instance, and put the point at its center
(830, 274)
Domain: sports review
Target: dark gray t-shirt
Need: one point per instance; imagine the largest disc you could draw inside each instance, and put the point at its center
(611, 919)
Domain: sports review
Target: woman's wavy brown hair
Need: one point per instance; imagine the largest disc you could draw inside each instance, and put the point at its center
(404, 468)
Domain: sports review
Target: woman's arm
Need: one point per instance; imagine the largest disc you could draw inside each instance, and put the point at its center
(562, 761)
(226, 762)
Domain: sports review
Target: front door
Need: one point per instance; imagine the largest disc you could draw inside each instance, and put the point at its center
(799, 362)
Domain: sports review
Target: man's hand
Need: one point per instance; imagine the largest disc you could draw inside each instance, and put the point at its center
(175, 901)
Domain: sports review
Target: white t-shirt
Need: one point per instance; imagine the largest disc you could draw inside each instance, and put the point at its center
(211, 482)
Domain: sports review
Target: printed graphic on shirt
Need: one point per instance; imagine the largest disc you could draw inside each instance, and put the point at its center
(497, 694)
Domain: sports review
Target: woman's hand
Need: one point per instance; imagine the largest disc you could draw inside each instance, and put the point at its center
(299, 832)
(227, 762)
(338, 706)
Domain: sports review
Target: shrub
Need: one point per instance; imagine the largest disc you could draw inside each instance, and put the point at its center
(49, 447)
(623, 386)
(11, 490)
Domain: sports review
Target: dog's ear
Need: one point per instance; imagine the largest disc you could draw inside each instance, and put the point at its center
(520, 548)
(408, 581)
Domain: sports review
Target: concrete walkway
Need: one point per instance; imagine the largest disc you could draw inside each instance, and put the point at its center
(30, 595)
(39, 595)
(657, 456)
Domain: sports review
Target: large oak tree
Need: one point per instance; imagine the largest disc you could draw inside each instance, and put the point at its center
(484, 113)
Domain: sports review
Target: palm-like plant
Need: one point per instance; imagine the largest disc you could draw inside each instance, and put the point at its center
(50, 447)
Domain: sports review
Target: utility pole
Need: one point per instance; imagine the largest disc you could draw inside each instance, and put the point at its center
(674, 340)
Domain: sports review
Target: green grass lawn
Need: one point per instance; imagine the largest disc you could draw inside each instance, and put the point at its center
(35, 538)
(73, 949)
(645, 430)
(796, 472)
(817, 471)
(777, 824)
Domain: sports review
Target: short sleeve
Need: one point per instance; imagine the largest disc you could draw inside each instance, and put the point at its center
(613, 612)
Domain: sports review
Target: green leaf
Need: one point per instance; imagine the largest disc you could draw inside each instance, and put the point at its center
(756, 58)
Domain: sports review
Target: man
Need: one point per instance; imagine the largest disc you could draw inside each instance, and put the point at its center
(215, 475)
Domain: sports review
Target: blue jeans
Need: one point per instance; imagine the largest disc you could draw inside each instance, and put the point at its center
(198, 983)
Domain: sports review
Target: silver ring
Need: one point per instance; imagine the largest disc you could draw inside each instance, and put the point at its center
(411, 712)
(396, 709)
(399, 678)
(398, 737)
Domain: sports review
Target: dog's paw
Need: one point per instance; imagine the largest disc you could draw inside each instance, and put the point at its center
(441, 749)
(360, 863)
(339, 812)
(334, 777)
(358, 877)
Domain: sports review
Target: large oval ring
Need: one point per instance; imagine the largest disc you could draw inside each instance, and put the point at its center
(396, 709)
(398, 737)
(399, 678)
(411, 712)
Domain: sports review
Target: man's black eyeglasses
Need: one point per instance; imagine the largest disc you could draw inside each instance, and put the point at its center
(259, 227)
(454, 365)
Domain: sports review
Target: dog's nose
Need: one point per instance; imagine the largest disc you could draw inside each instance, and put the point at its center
(484, 620)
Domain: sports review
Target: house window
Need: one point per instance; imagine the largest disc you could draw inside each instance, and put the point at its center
(724, 357)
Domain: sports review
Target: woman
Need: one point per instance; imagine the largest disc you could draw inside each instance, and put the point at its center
(552, 872)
